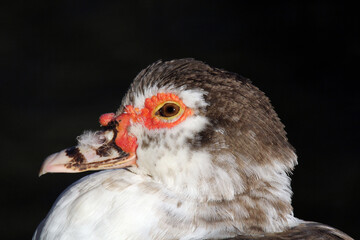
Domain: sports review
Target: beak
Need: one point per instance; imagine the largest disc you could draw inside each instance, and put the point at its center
(108, 149)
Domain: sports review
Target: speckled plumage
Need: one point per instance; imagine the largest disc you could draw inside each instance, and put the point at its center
(222, 172)
(305, 230)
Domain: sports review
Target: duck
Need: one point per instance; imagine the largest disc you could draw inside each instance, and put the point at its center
(193, 152)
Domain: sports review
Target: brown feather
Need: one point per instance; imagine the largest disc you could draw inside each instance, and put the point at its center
(303, 231)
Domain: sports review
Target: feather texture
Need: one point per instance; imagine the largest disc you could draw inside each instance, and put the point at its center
(221, 173)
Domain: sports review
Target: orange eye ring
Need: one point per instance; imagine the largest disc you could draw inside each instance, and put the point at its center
(154, 115)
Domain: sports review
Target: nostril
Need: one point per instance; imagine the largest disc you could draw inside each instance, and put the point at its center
(102, 139)
(104, 136)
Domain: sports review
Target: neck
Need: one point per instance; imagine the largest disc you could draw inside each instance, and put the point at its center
(265, 203)
(252, 200)
(260, 204)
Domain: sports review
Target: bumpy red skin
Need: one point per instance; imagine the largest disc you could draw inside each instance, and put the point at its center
(145, 116)
(106, 118)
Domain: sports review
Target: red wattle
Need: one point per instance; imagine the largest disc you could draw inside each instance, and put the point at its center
(123, 140)
(146, 116)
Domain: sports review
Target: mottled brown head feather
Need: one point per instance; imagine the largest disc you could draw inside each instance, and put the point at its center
(233, 103)
(243, 124)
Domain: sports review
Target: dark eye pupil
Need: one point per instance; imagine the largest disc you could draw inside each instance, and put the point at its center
(169, 110)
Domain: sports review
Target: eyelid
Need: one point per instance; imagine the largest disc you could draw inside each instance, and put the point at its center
(181, 111)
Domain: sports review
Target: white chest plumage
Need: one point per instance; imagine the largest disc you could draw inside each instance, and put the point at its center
(118, 204)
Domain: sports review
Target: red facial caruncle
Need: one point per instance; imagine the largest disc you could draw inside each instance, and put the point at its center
(165, 110)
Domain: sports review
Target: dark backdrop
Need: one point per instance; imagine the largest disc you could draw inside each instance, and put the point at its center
(67, 62)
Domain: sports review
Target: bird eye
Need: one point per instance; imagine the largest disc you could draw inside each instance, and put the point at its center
(168, 110)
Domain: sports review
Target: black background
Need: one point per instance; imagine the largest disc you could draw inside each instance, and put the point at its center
(67, 62)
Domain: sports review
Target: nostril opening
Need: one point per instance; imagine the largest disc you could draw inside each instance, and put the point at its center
(101, 138)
